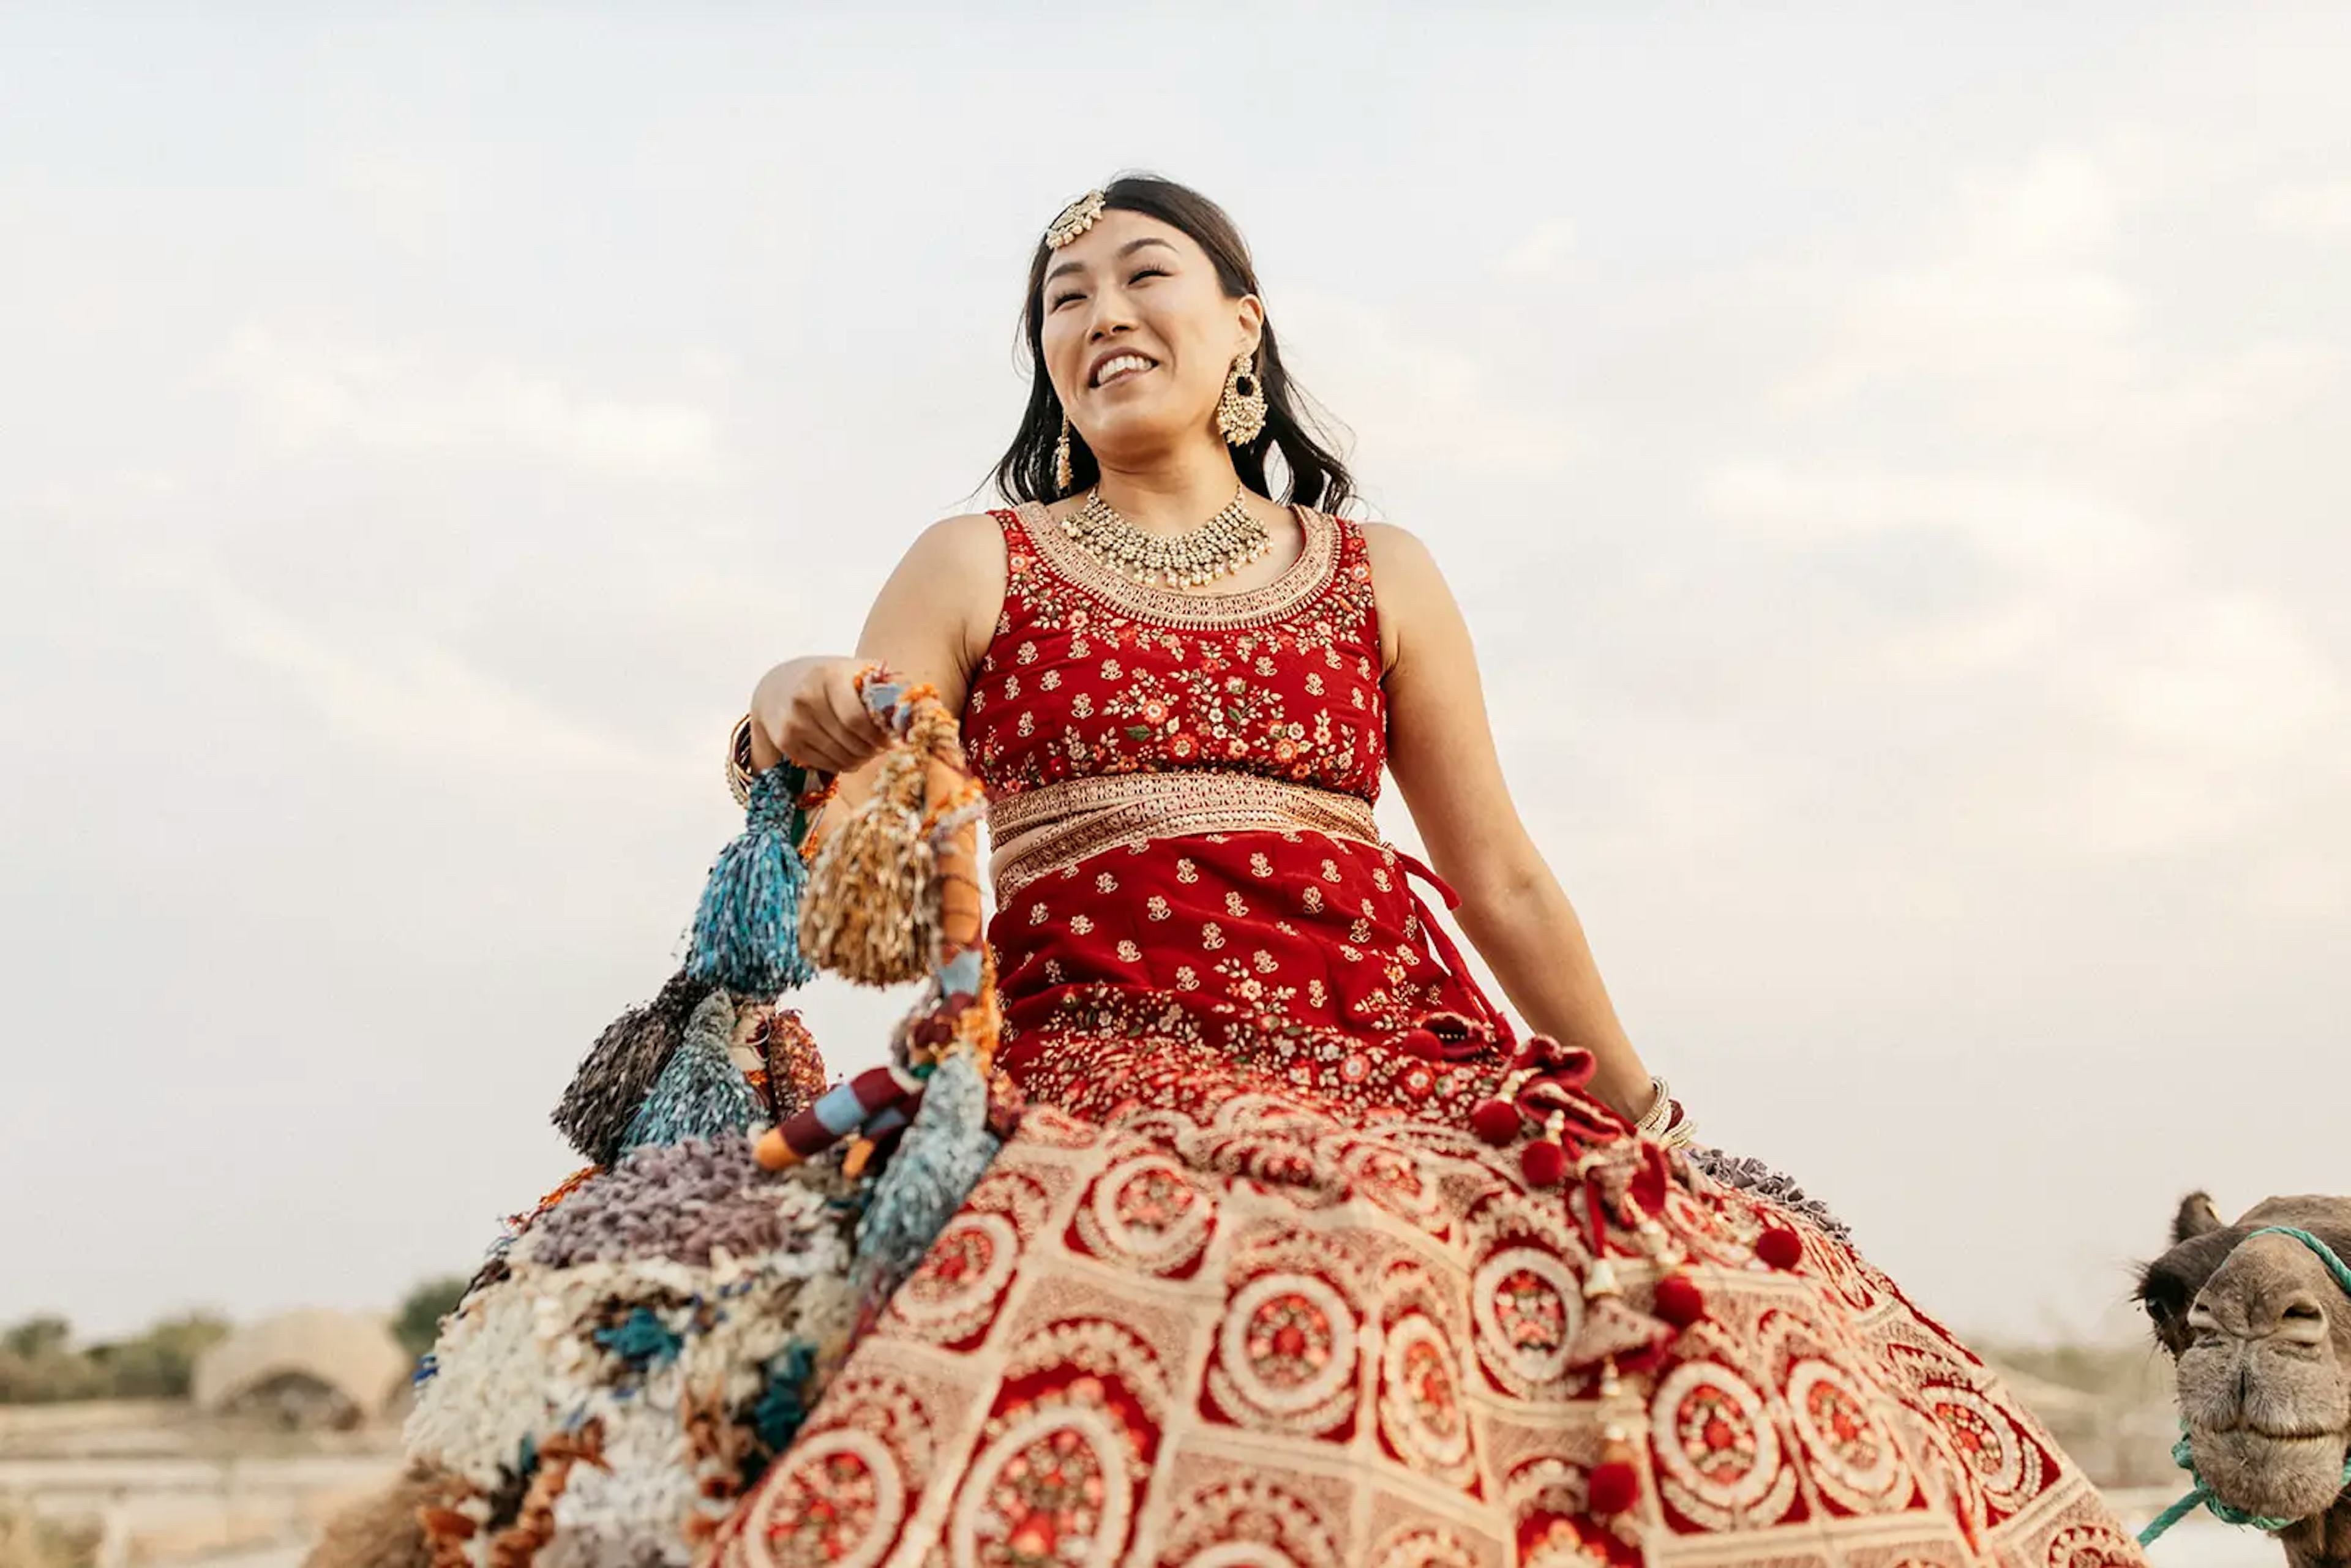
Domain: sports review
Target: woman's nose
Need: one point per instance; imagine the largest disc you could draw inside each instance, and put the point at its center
(1111, 315)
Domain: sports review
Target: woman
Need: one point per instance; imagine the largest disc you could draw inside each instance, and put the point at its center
(1287, 1264)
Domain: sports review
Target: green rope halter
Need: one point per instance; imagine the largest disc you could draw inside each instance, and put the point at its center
(2183, 1452)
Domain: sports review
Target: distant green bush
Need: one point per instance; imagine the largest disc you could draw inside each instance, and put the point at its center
(47, 1377)
(418, 1323)
(159, 1364)
(36, 1337)
(40, 1366)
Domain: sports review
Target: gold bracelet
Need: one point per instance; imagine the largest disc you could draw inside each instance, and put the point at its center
(738, 761)
(1661, 1106)
(1659, 1120)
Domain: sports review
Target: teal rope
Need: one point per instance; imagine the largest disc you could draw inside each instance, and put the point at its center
(2183, 1453)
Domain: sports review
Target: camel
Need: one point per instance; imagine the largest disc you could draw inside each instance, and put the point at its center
(2260, 1330)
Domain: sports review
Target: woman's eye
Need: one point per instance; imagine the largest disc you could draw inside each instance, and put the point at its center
(1058, 300)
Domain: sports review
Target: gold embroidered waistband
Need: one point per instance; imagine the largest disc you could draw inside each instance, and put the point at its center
(1048, 827)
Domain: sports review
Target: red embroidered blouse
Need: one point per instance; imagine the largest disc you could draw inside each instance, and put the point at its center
(1305, 943)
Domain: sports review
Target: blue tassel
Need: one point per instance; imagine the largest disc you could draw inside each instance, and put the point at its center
(938, 1161)
(701, 1093)
(641, 1339)
(783, 1404)
(746, 929)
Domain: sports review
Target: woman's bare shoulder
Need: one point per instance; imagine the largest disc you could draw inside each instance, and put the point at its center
(948, 586)
(966, 536)
(965, 550)
(1398, 558)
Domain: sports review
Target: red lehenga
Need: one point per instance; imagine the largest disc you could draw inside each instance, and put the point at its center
(1245, 1290)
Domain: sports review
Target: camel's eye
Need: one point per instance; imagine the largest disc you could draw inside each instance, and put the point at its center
(2163, 1302)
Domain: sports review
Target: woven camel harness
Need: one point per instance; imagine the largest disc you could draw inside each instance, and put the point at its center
(2183, 1453)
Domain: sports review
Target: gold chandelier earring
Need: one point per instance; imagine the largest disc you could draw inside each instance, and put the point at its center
(1240, 412)
(1064, 481)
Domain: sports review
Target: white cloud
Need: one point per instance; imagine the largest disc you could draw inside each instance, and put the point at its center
(416, 701)
(2014, 298)
(2206, 706)
(2033, 527)
(1414, 399)
(1540, 250)
(2317, 208)
(308, 393)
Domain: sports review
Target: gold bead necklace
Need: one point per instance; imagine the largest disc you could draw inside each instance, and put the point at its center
(1218, 547)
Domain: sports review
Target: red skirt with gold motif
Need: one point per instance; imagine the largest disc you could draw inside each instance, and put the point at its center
(1245, 1291)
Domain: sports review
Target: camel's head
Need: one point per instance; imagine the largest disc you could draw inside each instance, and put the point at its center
(2261, 1334)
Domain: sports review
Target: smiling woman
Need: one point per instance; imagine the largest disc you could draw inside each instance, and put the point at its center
(1174, 261)
(1302, 1255)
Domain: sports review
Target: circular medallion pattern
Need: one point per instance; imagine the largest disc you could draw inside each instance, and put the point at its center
(1528, 1305)
(1713, 1438)
(1855, 1460)
(1420, 1398)
(1288, 1342)
(1055, 1487)
(951, 1295)
(1147, 1212)
(1989, 1444)
(1247, 1524)
(839, 1504)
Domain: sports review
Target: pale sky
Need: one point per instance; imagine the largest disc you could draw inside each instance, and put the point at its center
(1894, 468)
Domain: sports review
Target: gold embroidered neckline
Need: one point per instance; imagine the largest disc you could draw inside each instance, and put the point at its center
(1299, 583)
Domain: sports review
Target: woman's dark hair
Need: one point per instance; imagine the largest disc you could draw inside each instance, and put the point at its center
(1316, 477)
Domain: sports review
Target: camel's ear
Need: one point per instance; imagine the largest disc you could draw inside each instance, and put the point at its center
(2196, 1217)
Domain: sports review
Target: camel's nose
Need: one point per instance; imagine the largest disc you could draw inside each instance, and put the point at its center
(2298, 1316)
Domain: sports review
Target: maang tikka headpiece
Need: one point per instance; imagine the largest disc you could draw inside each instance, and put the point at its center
(1075, 219)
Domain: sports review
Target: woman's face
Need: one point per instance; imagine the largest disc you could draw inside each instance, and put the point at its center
(1138, 337)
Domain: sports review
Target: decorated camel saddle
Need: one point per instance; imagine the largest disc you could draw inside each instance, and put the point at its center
(711, 1343)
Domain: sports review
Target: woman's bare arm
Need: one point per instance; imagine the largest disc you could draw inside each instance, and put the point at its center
(932, 621)
(1441, 751)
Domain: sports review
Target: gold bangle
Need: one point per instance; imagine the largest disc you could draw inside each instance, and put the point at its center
(738, 761)
(1658, 1120)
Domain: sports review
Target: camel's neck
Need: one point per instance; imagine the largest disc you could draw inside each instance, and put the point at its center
(2323, 1540)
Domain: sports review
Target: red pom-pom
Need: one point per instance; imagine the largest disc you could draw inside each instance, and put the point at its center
(1496, 1121)
(1615, 1488)
(1679, 1301)
(1779, 1247)
(1424, 1044)
(1543, 1164)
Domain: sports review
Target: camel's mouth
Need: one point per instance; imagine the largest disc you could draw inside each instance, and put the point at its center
(2290, 1475)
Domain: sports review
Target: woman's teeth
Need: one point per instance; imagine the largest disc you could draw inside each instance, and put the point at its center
(1126, 365)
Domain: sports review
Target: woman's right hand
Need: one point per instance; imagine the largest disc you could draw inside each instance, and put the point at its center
(808, 709)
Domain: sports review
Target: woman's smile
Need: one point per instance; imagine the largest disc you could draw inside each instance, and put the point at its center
(1121, 367)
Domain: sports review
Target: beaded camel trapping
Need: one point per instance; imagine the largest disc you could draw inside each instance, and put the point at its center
(640, 1344)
